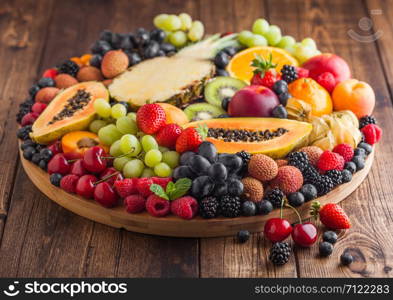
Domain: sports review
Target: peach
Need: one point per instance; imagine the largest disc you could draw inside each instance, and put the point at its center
(327, 62)
(354, 95)
(174, 114)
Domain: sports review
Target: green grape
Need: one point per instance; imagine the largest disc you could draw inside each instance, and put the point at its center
(159, 20)
(132, 115)
(115, 149)
(118, 111)
(126, 125)
(178, 39)
(96, 125)
(286, 41)
(196, 31)
(186, 21)
(162, 170)
(102, 108)
(109, 134)
(303, 53)
(171, 158)
(133, 168)
(147, 172)
(273, 35)
(163, 149)
(120, 162)
(261, 26)
(130, 145)
(290, 49)
(309, 42)
(171, 23)
(245, 36)
(153, 157)
(256, 40)
(149, 143)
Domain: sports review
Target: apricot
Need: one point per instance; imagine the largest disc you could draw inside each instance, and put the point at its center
(74, 144)
(354, 95)
(174, 114)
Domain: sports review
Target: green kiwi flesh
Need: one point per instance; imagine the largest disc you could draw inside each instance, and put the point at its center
(222, 87)
(202, 111)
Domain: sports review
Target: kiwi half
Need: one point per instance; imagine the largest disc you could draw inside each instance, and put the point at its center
(202, 111)
(222, 87)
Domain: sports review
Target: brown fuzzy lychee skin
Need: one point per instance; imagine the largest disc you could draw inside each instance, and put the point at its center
(262, 167)
(313, 153)
(289, 179)
(281, 162)
(46, 94)
(114, 63)
(64, 81)
(252, 189)
(89, 73)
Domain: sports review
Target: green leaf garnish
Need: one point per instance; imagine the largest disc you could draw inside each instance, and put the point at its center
(181, 188)
(159, 191)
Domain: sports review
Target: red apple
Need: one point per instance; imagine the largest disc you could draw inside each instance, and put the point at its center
(327, 62)
(253, 101)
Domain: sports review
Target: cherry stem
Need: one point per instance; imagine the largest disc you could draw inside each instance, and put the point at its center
(281, 206)
(295, 210)
(114, 157)
(106, 178)
(72, 160)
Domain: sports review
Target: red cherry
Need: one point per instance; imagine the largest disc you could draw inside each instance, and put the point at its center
(77, 168)
(85, 186)
(105, 195)
(58, 164)
(305, 234)
(55, 147)
(277, 229)
(93, 160)
(108, 172)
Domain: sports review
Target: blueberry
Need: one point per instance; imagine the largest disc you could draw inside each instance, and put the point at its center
(222, 72)
(199, 164)
(220, 189)
(350, 166)
(202, 187)
(36, 158)
(346, 259)
(46, 82)
(330, 237)
(235, 187)
(42, 164)
(222, 116)
(243, 236)
(264, 207)
(183, 172)
(185, 157)
(309, 192)
(248, 208)
(360, 152)
(166, 47)
(208, 151)
(325, 249)
(134, 58)
(359, 162)
(221, 60)
(280, 86)
(96, 60)
(29, 152)
(346, 175)
(157, 35)
(283, 97)
(225, 103)
(106, 35)
(151, 50)
(217, 172)
(296, 199)
(46, 154)
(367, 147)
(231, 51)
(27, 143)
(232, 162)
(34, 90)
(55, 179)
(280, 112)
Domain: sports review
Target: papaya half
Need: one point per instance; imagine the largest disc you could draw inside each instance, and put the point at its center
(70, 110)
(270, 136)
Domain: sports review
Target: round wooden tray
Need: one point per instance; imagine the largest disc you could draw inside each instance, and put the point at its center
(172, 225)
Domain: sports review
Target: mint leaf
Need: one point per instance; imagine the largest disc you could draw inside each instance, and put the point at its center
(170, 188)
(159, 191)
(181, 188)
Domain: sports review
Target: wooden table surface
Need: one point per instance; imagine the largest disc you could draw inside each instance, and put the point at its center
(41, 239)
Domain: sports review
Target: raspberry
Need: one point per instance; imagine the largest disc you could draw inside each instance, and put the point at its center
(157, 207)
(143, 186)
(330, 161)
(327, 80)
(161, 181)
(68, 183)
(302, 73)
(345, 150)
(29, 118)
(135, 204)
(38, 107)
(372, 133)
(126, 187)
(185, 207)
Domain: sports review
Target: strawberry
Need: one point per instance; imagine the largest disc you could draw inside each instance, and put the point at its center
(168, 135)
(157, 206)
(135, 204)
(190, 139)
(143, 186)
(162, 181)
(126, 187)
(331, 215)
(264, 72)
(150, 118)
(330, 161)
(185, 207)
(68, 183)
(345, 150)
(372, 133)
(327, 80)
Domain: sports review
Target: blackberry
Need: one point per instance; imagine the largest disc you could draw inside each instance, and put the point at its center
(69, 67)
(208, 207)
(324, 185)
(245, 156)
(336, 176)
(288, 73)
(310, 174)
(23, 132)
(230, 206)
(279, 253)
(298, 160)
(366, 120)
(275, 197)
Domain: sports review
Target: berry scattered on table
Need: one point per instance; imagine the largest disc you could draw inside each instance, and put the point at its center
(330, 236)
(280, 253)
(304, 234)
(325, 249)
(346, 259)
(277, 229)
(243, 236)
(331, 215)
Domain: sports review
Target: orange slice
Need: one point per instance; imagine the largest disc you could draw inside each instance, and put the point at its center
(240, 65)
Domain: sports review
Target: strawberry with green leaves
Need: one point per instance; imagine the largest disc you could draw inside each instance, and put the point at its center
(191, 138)
(331, 215)
(264, 73)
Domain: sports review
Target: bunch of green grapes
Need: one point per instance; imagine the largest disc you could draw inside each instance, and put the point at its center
(137, 154)
(180, 29)
(264, 34)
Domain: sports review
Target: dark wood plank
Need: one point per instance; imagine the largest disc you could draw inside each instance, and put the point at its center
(370, 207)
